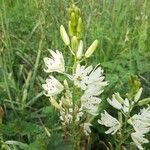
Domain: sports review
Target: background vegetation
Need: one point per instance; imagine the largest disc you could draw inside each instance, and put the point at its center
(29, 27)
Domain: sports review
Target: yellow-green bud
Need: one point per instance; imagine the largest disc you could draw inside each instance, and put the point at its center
(64, 35)
(54, 103)
(80, 50)
(71, 29)
(91, 49)
(74, 43)
(79, 26)
(73, 19)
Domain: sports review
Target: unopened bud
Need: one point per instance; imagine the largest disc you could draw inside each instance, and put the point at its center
(144, 101)
(91, 49)
(64, 35)
(74, 43)
(80, 50)
(80, 25)
(54, 103)
(73, 19)
(71, 29)
(118, 98)
(77, 12)
(138, 95)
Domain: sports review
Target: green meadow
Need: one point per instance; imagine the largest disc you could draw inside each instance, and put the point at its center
(28, 28)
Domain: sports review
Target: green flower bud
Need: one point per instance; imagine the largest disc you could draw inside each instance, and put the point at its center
(91, 49)
(77, 12)
(144, 101)
(74, 43)
(71, 29)
(69, 11)
(64, 35)
(79, 27)
(80, 50)
(73, 19)
(54, 103)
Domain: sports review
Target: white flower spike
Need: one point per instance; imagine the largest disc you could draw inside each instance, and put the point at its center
(55, 63)
(52, 87)
(109, 121)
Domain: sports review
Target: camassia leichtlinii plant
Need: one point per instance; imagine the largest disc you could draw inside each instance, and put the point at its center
(77, 97)
(76, 94)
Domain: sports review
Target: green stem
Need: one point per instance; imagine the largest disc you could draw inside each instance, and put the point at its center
(37, 62)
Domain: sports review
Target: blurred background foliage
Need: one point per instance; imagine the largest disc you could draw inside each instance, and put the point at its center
(29, 27)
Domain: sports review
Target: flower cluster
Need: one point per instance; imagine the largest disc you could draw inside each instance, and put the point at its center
(89, 81)
(77, 94)
(140, 122)
(141, 125)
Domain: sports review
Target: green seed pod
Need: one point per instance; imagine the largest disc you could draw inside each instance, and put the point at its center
(91, 49)
(73, 19)
(64, 35)
(74, 43)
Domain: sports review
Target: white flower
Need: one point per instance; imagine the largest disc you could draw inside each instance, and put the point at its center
(55, 63)
(139, 139)
(93, 89)
(86, 128)
(85, 77)
(126, 106)
(52, 86)
(79, 115)
(90, 103)
(114, 102)
(109, 121)
(80, 75)
(118, 103)
(141, 121)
